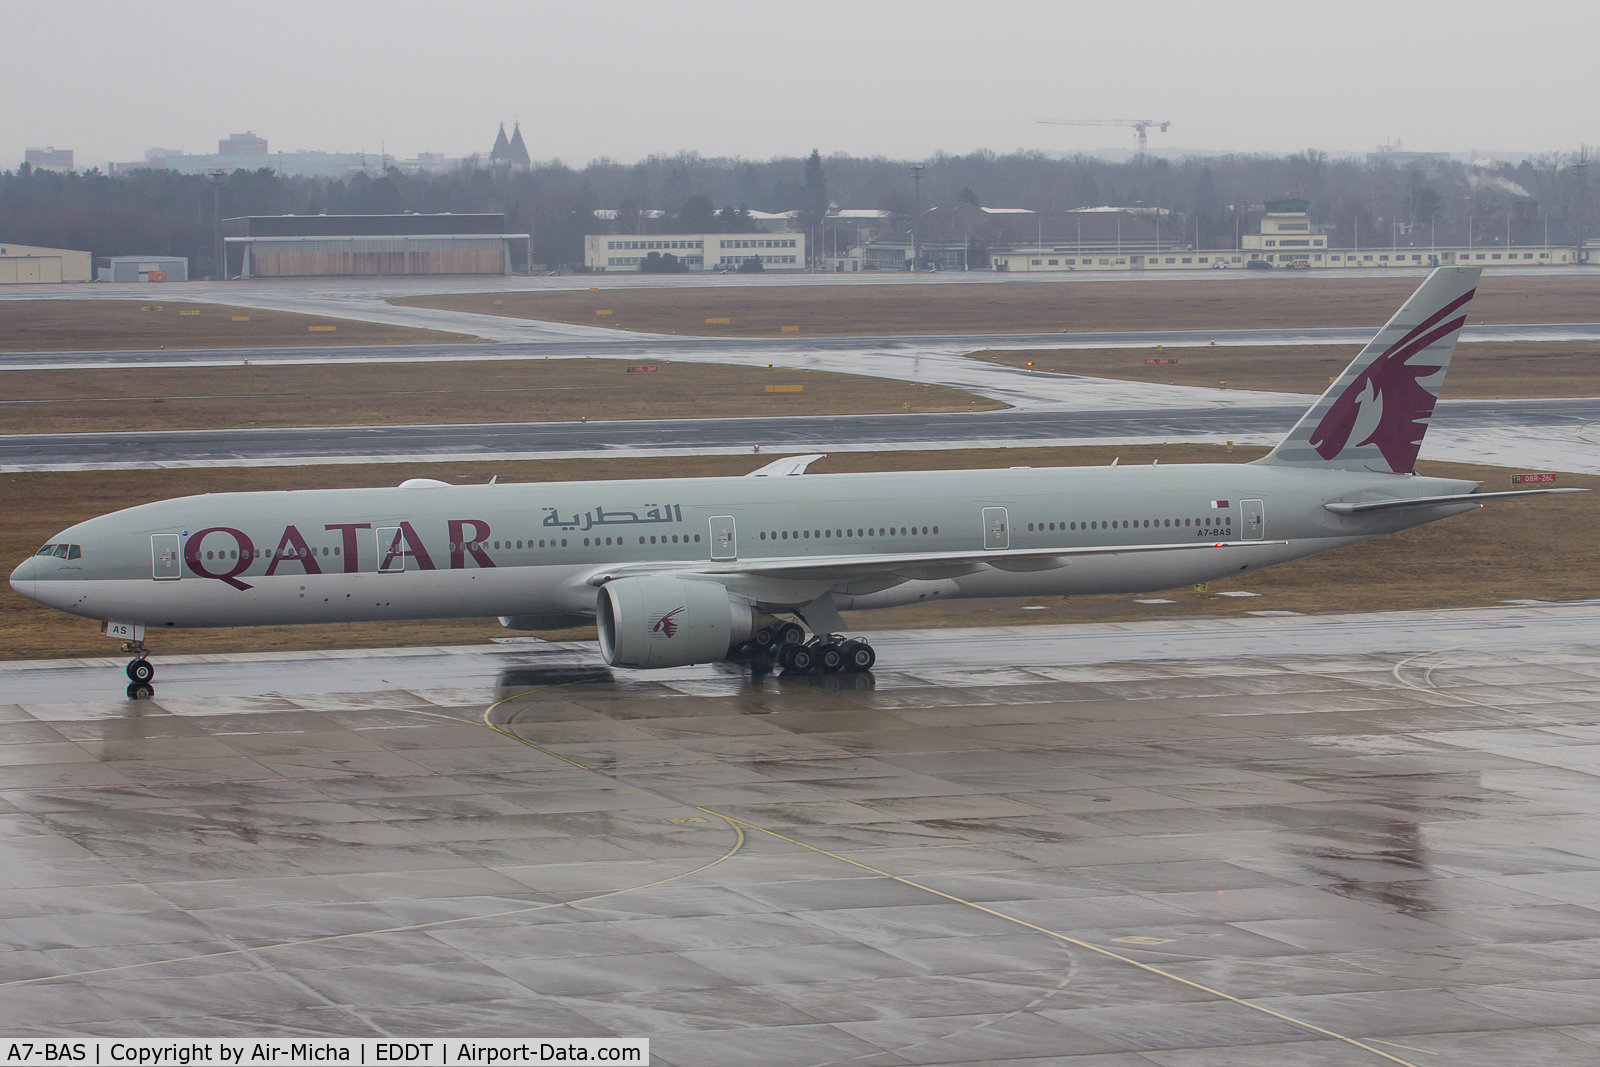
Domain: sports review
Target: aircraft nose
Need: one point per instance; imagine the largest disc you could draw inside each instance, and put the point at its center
(22, 578)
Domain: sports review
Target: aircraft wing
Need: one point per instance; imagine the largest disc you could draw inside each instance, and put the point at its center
(923, 566)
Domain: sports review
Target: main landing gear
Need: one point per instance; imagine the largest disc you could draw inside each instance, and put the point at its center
(784, 645)
(140, 672)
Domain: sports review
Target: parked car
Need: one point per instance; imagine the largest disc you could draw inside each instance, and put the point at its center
(1258, 264)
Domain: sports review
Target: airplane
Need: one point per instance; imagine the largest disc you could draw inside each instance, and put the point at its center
(698, 570)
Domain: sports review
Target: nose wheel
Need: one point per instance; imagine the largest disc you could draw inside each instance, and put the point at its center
(140, 672)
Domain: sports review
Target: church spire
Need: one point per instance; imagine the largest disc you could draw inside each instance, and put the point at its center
(517, 152)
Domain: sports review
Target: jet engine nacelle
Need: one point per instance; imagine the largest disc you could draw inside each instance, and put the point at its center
(665, 621)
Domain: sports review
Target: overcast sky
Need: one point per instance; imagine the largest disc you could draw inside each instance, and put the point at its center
(629, 78)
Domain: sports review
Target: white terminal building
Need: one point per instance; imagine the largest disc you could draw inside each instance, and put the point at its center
(1288, 238)
(697, 251)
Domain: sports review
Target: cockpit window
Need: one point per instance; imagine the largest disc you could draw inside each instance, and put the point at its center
(74, 552)
(47, 550)
(61, 551)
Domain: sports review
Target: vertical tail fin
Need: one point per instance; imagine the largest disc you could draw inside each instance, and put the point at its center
(1373, 417)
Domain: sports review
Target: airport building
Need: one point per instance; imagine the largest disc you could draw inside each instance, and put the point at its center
(27, 264)
(301, 246)
(141, 269)
(698, 251)
(1288, 238)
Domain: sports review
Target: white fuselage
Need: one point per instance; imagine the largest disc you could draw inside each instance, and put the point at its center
(536, 551)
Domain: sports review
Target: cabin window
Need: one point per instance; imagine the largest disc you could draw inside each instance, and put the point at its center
(563, 543)
(936, 529)
(585, 542)
(807, 534)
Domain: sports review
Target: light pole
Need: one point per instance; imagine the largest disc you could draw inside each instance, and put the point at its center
(916, 220)
(215, 176)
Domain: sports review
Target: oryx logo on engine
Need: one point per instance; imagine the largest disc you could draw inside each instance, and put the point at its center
(665, 625)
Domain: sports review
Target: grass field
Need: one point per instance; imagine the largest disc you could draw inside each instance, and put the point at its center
(1477, 371)
(862, 308)
(1507, 550)
(351, 394)
(108, 325)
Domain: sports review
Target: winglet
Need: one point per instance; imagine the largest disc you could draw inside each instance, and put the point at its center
(1374, 415)
(788, 465)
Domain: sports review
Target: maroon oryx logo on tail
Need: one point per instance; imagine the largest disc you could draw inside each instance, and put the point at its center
(665, 625)
(1387, 404)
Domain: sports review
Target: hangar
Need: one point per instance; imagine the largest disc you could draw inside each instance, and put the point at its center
(23, 264)
(299, 246)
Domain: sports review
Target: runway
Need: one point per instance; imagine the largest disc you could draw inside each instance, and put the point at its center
(1334, 840)
(789, 351)
(1542, 433)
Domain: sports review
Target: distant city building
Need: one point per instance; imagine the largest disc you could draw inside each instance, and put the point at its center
(156, 158)
(697, 251)
(1394, 155)
(141, 269)
(27, 264)
(59, 159)
(242, 144)
(246, 151)
(297, 246)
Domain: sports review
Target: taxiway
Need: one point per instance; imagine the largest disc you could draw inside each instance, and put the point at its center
(1333, 840)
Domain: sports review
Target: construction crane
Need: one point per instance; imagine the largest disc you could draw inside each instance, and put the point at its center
(1140, 126)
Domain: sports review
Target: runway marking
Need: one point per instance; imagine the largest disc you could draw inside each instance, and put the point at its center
(737, 846)
(1064, 938)
(1313, 1028)
(1408, 1048)
(1431, 688)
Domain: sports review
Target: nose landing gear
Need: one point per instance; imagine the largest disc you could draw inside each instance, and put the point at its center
(140, 672)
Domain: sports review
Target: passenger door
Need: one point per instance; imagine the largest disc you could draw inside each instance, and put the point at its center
(1254, 514)
(724, 538)
(391, 550)
(996, 529)
(166, 560)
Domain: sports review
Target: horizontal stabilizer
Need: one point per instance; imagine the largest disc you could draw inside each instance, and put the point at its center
(1342, 508)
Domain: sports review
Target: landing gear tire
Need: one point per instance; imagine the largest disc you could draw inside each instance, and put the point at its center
(140, 671)
(788, 633)
(800, 659)
(858, 656)
(830, 659)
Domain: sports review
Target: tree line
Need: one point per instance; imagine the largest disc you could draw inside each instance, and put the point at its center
(148, 212)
